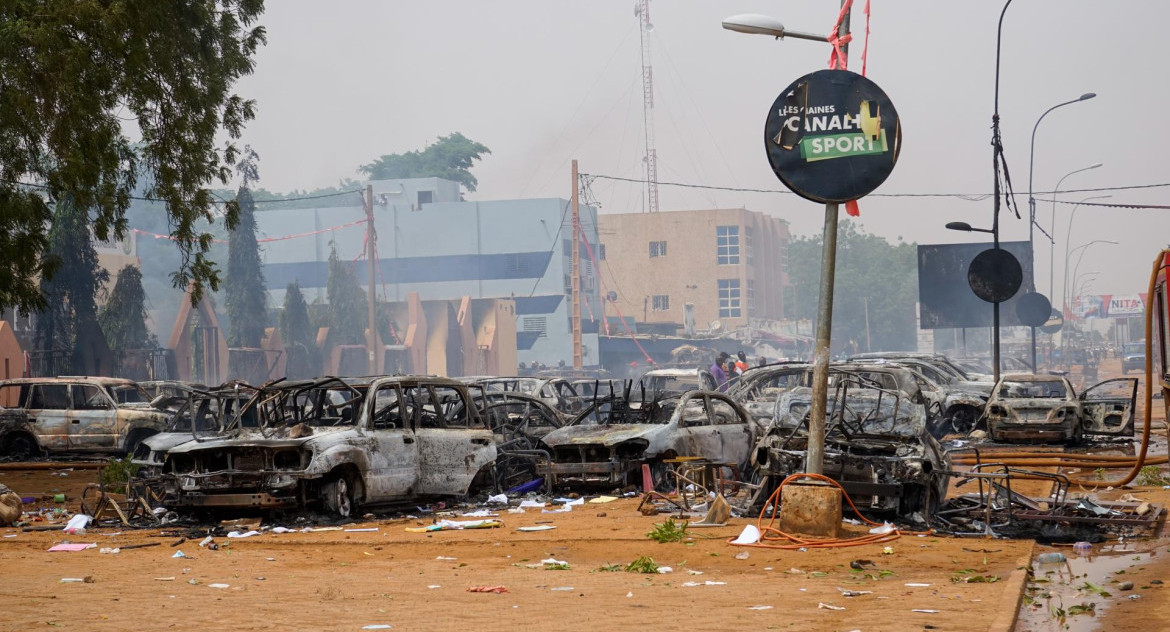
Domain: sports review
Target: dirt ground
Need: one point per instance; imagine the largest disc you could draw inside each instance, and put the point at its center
(348, 580)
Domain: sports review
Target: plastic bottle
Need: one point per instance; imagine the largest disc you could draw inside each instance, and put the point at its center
(1083, 548)
(1051, 558)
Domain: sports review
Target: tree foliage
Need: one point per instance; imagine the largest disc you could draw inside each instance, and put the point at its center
(71, 310)
(299, 335)
(870, 270)
(246, 295)
(347, 302)
(71, 75)
(451, 157)
(123, 318)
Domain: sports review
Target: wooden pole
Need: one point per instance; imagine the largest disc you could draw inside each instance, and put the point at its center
(371, 249)
(575, 271)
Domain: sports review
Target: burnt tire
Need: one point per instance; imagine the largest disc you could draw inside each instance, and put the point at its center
(338, 495)
(19, 446)
(961, 419)
(661, 477)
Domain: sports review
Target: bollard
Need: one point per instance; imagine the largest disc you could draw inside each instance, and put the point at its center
(810, 509)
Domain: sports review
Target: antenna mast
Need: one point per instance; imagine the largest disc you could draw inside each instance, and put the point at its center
(642, 10)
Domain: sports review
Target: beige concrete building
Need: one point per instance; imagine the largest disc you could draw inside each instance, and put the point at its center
(731, 264)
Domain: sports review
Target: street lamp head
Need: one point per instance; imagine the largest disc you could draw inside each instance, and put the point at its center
(1086, 96)
(963, 226)
(754, 23)
(1094, 165)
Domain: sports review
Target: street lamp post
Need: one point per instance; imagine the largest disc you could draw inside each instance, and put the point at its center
(994, 232)
(1032, 209)
(815, 453)
(1068, 238)
(1064, 290)
(1052, 226)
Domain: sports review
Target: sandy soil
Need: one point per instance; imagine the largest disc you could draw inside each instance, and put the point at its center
(342, 580)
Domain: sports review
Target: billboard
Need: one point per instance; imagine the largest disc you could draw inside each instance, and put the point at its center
(945, 296)
(1108, 305)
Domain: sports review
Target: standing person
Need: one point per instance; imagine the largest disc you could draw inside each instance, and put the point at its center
(741, 364)
(719, 372)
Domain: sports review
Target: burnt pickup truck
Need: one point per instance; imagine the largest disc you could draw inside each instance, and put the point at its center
(74, 415)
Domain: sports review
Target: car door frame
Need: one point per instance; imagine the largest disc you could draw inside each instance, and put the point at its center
(1089, 418)
(393, 455)
(451, 454)
(93, 429)
(51, 424)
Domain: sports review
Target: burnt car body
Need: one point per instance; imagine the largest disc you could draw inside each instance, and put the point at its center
(74, 414)
(876, 446)
(607, 444)
(557, 392)
(336, 443)
(677, 380)
(1035, 408)
(956, 399)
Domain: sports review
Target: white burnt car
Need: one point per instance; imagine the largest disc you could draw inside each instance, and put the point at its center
(53, 415)
(336, 443)
(876, 446)
(1034, 408)
(607, 444)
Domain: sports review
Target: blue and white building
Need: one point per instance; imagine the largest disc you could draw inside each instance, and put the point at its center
(432, 242)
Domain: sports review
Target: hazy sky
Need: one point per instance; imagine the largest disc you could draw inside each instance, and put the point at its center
(541, 82)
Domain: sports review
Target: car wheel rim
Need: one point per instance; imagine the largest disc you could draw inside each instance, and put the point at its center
(343, 502)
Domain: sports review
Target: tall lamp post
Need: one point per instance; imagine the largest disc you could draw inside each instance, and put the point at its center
(1052, 225)
(1064, 290)
(815, 454)
(1032, 209)
(994, 232)
(1068, 238)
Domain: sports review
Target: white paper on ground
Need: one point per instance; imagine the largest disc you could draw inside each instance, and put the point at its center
(749, 535)
(539, 527)
(78, 521)
(246, 534)
(882, 529)
(501, 499)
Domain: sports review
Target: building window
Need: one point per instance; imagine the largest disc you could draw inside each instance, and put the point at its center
(747, 245)
(751, 298)
(601, 252)
(727, 245)
(660, 302)
(657, 249)
(425, 197)
(729, 306)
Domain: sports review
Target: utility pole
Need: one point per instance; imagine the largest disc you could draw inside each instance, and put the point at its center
(815, 456)
(575, 271)
(371, 249)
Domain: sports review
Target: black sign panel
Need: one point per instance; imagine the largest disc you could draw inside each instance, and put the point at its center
(1034, 309)
(832, 136)
(995, 275)
(944, 293)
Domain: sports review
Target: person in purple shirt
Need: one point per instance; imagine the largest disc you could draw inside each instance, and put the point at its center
(719, 372)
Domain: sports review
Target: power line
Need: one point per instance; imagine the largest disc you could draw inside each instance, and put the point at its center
(973, 197)
(222, 200)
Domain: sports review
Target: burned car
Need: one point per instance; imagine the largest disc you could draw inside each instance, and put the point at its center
(557, 392)
(1028, 407)
(339, 444)
(74, 414)
(607, 444)
(678, 380)
(876, 446)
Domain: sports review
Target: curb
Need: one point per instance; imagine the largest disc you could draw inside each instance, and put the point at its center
(1009, 604)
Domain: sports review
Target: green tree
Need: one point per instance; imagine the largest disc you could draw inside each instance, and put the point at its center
(347, 302)
(451, 157)
(299, 335)
(64, 328)
(871, 273)
(245, 294)
(72, 76)
(123, 318)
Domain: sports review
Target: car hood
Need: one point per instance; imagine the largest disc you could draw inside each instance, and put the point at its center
(248, 441)
(166, 441)
(607, 435)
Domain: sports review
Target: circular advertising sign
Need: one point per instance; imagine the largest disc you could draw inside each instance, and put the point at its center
(832, 136)
(1055, 322)
(995, 275)
(1033, 309)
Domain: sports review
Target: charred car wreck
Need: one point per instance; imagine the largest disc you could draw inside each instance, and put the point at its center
(332, 443)
(876, 446)
(607, 444)
(1038, 408)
